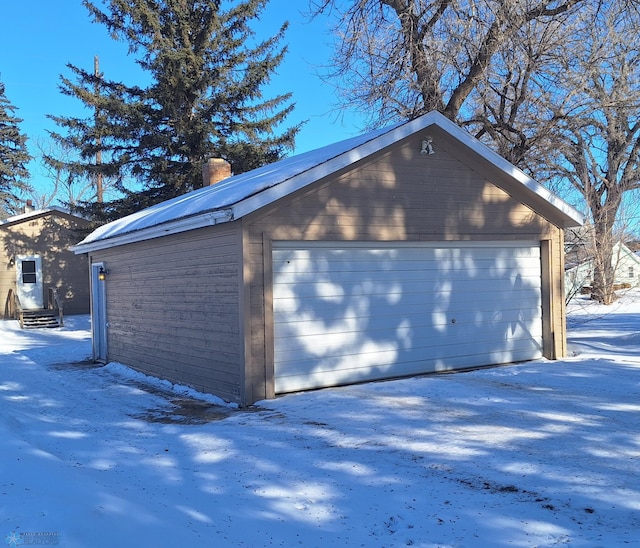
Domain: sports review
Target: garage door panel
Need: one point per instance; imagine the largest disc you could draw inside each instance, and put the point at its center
(438, 344)
(324, 259)
(311, 263)
(459, 325)
(346, 313)
(418, 360)
(363, 366)
(416, 270)
(323, 296)
(416, 303)
(335, 288)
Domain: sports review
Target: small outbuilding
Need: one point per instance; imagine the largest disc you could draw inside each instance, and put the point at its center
(35, 261)
(408, 250)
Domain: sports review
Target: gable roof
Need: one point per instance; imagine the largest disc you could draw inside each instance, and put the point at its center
(29, 215)
(242, 194)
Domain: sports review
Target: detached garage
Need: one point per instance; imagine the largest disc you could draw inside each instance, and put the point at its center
(408, 250)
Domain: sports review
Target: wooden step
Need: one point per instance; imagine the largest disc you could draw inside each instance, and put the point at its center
(35, 319)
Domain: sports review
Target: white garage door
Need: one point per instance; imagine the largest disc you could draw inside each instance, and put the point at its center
(350, 313)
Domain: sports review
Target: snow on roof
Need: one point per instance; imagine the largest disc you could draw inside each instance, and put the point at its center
(242, 194)
(29, 214)
(221, 196)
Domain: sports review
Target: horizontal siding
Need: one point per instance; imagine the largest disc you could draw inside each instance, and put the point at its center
(173, 308)
(398, 195)
(411, 221)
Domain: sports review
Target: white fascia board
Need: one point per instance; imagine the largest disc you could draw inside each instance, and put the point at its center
(165, 229)
(507, 167)
(270, 195)
(255, 202)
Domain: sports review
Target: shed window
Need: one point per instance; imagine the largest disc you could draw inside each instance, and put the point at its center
(28, 272)
(630, 272)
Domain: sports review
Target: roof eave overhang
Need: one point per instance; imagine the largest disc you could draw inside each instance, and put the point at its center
(31, 215)
(201, 220)
(267, 196)
(473, 153)
(532, 193)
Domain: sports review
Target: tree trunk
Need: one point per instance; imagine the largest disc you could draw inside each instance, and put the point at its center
(603, 271)
(604, 215)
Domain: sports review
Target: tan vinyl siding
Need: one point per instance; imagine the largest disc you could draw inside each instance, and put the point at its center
(173, 308)
(49, 236)
(396, 195)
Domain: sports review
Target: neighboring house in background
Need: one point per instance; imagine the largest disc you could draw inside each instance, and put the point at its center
(35, 256)
(579, 269)
(408, 250)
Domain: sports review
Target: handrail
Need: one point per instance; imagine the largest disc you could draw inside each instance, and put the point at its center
(13, 307)
(55, 303)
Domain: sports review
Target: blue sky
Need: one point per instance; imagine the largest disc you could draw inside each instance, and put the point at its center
(40, 37)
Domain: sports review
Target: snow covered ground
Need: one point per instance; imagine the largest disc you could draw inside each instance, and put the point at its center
(538, 454)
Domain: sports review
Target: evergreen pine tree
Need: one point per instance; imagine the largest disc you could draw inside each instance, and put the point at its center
(13, 158)
(204, 100)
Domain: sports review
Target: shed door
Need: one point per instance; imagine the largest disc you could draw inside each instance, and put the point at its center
(29, 281)
(350, 313)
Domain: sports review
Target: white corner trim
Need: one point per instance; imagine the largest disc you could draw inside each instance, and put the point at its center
(156, 231)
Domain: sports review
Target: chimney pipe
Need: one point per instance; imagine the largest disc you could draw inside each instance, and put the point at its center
(215, 170)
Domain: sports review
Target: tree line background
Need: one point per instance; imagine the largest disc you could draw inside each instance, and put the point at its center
(551, 85)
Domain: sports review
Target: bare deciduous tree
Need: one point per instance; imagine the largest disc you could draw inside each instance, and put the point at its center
(552, 85)
(397, 59)
(597, 130)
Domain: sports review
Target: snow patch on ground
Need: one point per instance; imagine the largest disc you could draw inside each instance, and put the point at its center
(543, 453)
(126, 372)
